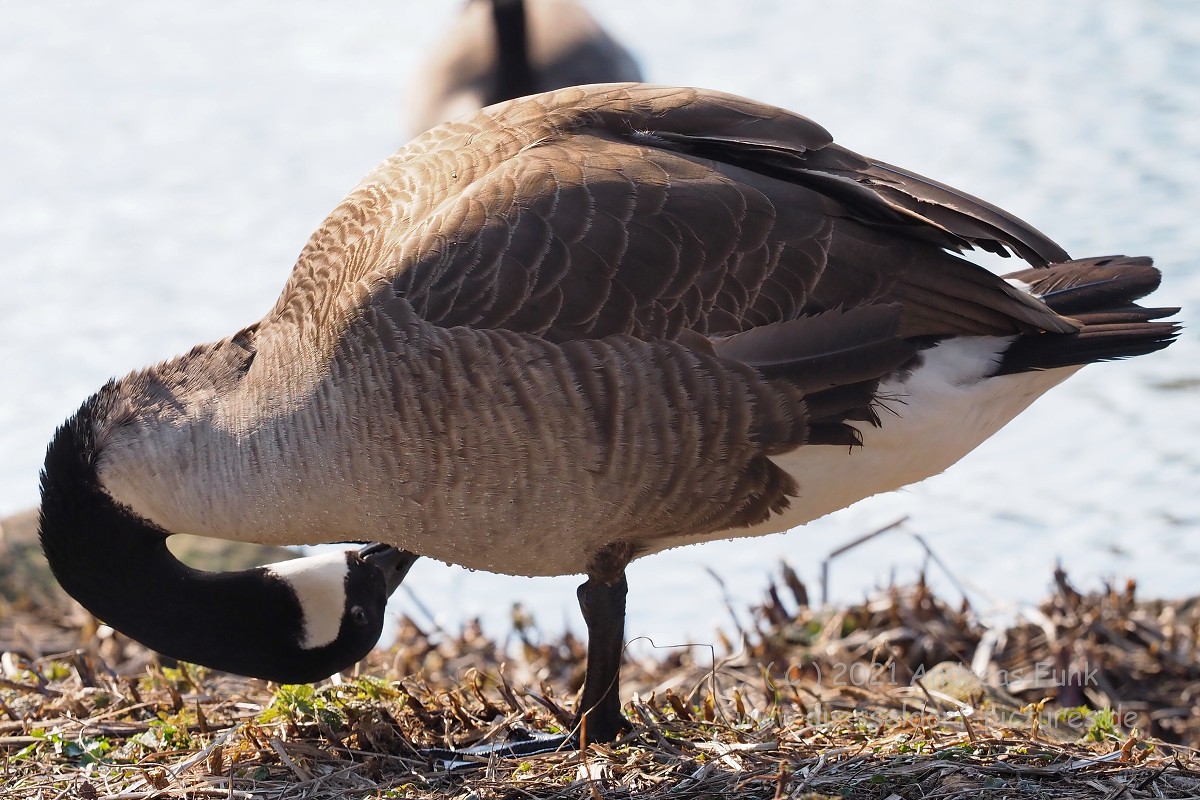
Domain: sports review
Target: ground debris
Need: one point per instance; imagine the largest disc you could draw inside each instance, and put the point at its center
(1091, 695)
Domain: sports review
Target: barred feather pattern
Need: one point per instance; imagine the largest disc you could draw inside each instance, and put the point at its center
(503, 349)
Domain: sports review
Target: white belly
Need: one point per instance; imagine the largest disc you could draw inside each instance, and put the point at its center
(936, 415)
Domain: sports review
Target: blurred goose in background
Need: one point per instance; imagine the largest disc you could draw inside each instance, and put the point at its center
(567, 332)
(501, 49)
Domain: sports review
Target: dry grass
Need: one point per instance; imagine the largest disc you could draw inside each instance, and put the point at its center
(845, 702)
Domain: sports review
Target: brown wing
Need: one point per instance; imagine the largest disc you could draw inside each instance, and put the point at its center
(647, 210)
(591, 236)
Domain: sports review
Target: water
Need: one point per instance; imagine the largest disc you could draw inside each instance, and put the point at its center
(163, 166)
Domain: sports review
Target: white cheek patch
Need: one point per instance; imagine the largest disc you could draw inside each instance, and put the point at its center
(320, 584)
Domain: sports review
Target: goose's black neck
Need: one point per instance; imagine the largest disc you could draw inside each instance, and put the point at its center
(117, 565)
(514, 75)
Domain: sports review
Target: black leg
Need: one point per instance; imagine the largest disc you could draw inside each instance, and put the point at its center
(603, 607)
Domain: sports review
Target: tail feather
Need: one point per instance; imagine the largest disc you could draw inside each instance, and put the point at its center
(1099, 294)
(1106, 342)
(1130, 313)
(1091, 283)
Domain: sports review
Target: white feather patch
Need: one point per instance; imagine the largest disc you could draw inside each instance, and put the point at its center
(1017, 283)
(320, 584)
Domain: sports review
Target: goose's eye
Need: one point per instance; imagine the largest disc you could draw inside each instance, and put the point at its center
(359, 615)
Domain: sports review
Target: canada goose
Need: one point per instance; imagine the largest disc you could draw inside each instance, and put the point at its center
(500, 49)
(568, 332)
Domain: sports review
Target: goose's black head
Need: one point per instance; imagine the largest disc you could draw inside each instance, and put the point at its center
(331, 608)
(292, 622)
